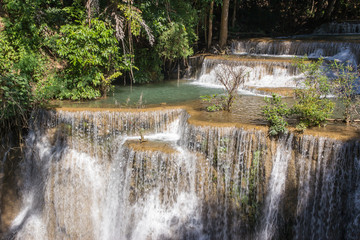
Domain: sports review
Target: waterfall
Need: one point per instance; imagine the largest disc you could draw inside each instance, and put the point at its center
(259, 73)
(156, 199)
(231, 178)
(338, 28)
(327, 187)
(87, 176)
(69, 158)
(342, 50)
(276, 190)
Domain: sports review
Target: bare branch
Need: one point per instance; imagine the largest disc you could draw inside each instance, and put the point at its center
(231, 78)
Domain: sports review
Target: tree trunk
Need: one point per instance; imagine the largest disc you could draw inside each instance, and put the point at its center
(224, 23)
(210, 23)
(205, 30)
(233, 19)
(229, 102)
(88, 6)
(169, 70)
(178, 71)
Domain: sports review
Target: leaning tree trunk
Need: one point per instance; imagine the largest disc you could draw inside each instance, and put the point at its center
(210, 23)
(224, 23)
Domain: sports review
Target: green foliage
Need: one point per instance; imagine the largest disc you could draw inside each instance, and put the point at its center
(312, 106)
(22, 60)
(93, 61)
(217, 102)
(18, 70)
(75, 12)
(15, 99)
(174, 43)
(173, 25)
(88, 57)
(28, 22)
(276, 112)
(8, 55)
(346, 84)
(301, 127)
(183, 12)
(31, 65)
(158, 14)
(134, 17)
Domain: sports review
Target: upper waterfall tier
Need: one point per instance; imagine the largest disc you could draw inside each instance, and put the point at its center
(258, 72)
(338, 28)
(329, 49)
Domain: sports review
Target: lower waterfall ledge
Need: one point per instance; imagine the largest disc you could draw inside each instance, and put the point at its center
(200, 117)
(85, 174)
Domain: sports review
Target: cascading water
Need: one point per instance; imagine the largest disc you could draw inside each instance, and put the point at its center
(82, 180)
(86, 176)
(328, 195)
(341, 50)
(152, 195)
(70, 156)
(338, 28)
(232, 178)
(258, 73)
(274, 71)
(276, 190)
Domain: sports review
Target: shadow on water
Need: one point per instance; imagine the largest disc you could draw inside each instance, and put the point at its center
(10, 157)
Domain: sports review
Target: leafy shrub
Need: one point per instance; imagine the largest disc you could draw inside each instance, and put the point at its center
(346, 86)
(301, 127)
(312, 107)
(275, 112)
(217, 102)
